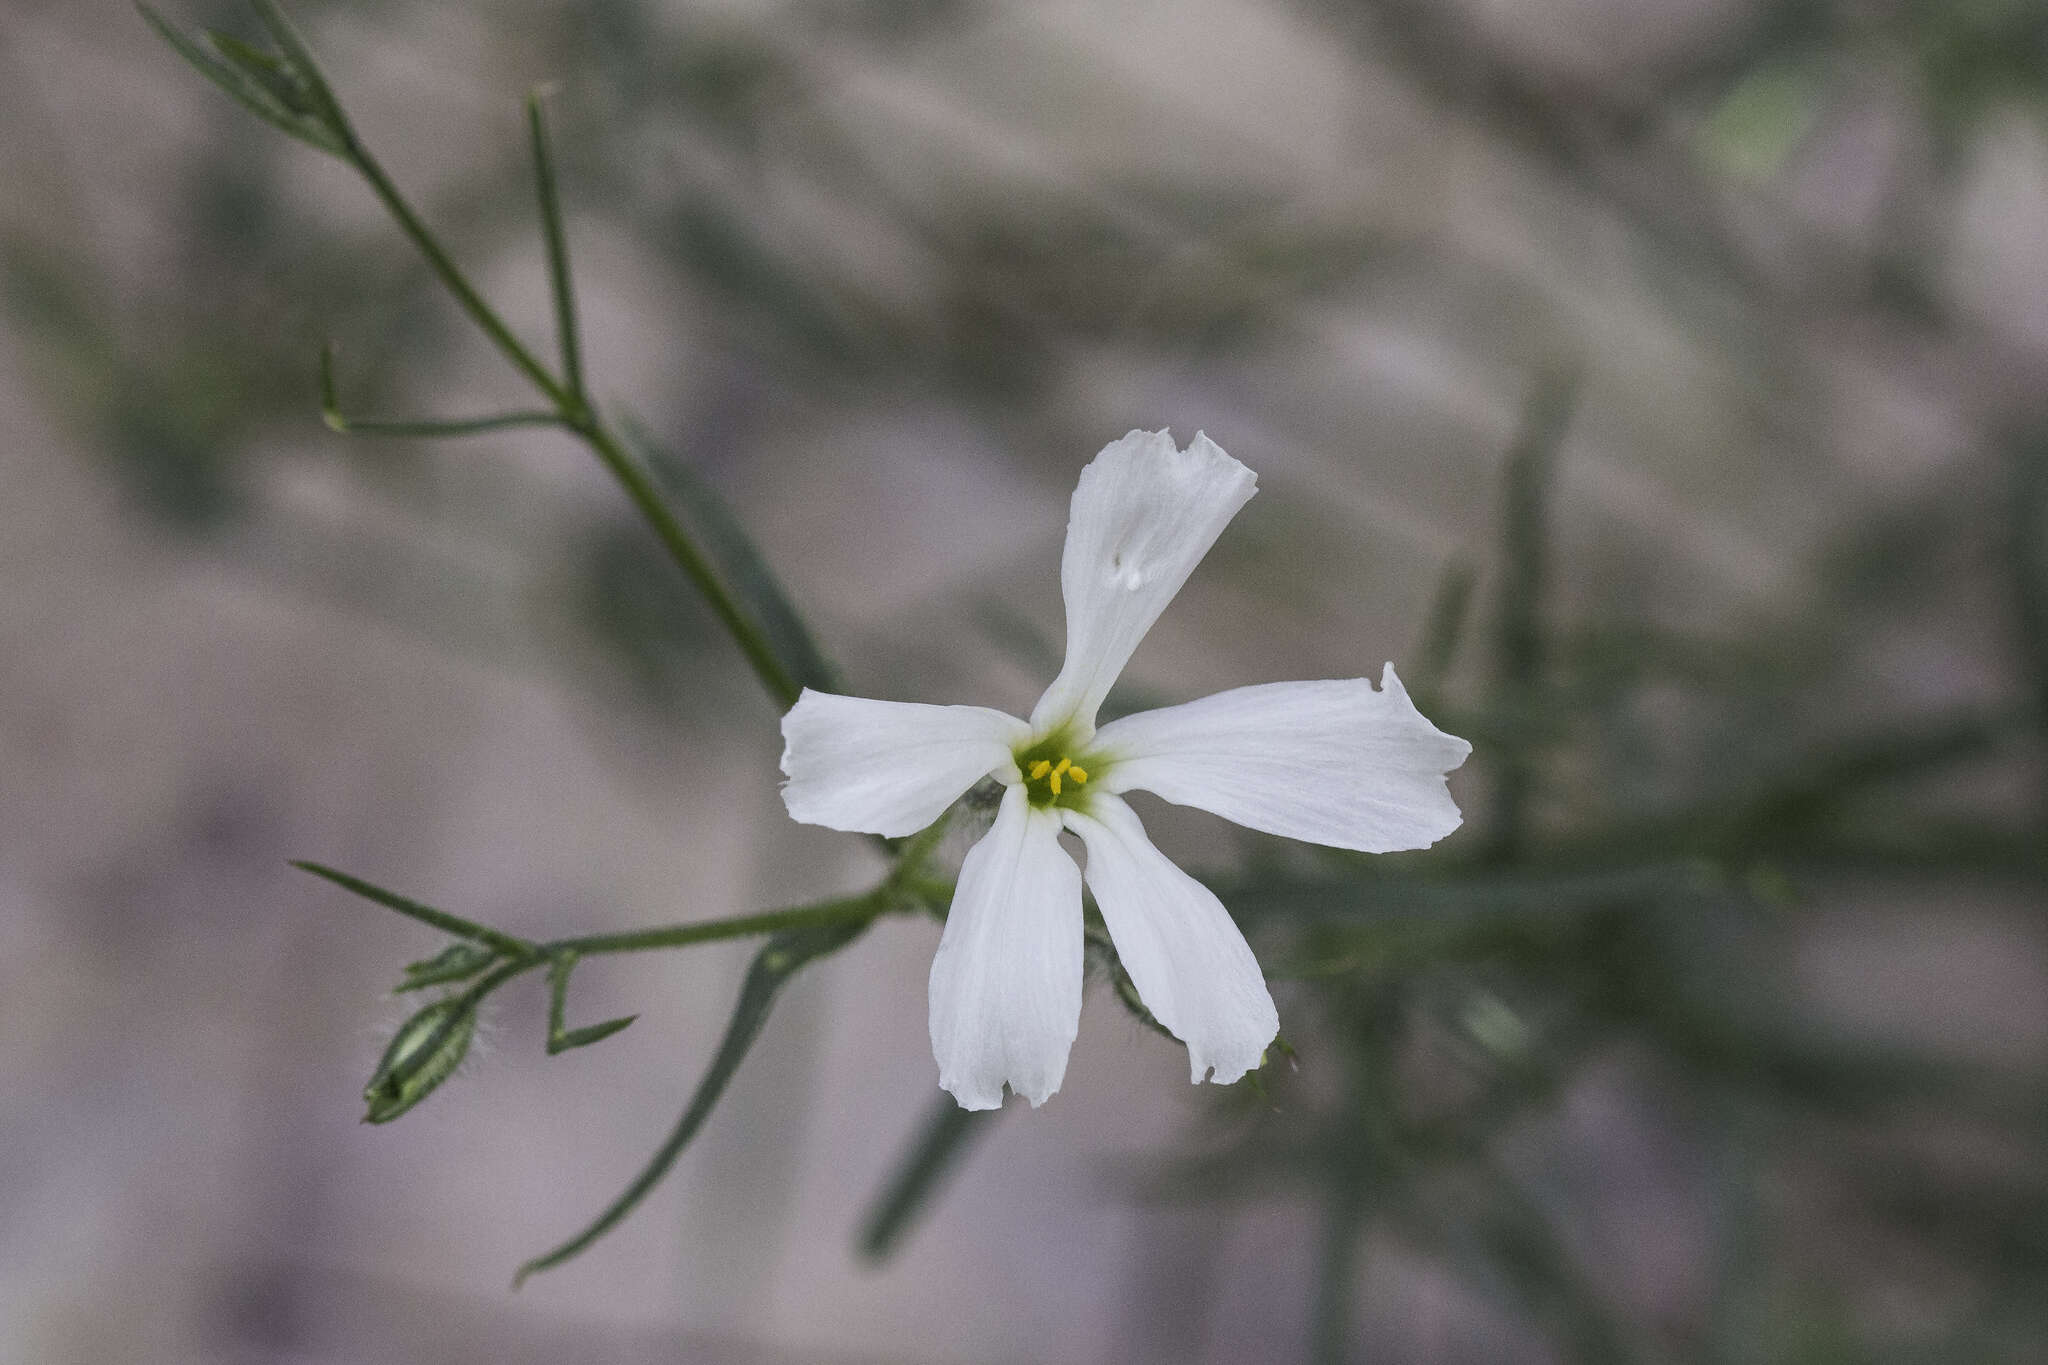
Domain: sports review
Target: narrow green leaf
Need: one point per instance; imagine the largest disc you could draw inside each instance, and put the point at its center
(942, 1140)
(584, 1037)
(266, 69)
(781, 958)
(425, 428)
(456, 962)
(257, 97)
(558, 250)
(504, 943)
(741, 563)
(561, 1039)
(439, 428)
(300, 59)
(265, 66)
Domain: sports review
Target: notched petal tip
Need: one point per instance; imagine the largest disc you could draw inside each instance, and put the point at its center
(1456, 750)
(1005, 986)
(974, 1101)
(1143, 515)
(794, 720)
(1337, 762)
(1216, 457)
(1187, 958)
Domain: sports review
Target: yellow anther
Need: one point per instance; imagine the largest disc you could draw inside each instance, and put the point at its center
(1054, 773)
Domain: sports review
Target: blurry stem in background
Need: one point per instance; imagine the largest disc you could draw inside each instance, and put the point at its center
(1518, 628)
(2029, 552)
(1336, 1267)
(942, 1139)
(1736, 1318)
(289, 91)
(1442, 632)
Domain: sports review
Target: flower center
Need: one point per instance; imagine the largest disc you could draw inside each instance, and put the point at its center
(1051, 776)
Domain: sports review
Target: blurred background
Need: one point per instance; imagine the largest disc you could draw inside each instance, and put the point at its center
(1663, 386)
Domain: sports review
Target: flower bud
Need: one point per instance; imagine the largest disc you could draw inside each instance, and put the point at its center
(425, 1052)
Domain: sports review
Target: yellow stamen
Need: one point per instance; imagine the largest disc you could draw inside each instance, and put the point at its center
(1054, 777)
(1040, 768)
(1078, 774)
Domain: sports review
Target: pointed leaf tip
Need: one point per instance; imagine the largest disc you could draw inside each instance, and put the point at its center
(782, 957)
(584, 1037)
(457, 962)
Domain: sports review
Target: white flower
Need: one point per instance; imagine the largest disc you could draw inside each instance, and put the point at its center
(1338, 763)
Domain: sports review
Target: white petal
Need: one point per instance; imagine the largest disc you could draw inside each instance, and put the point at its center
(1190, 963)
(1328, 762)
(1006, 983)
(887, 767)
(1143, 516)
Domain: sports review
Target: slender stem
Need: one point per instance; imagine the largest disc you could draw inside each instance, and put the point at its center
(451, 275)
(326, 125)
(1519, 656)
(1336, 1270)
(847, 909)
(579, 416)
(440, 427)
(640, 488)
(558, 251)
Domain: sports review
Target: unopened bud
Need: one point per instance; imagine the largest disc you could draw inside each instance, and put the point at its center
(425, 1052)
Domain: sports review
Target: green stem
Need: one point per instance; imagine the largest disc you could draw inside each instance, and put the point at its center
(641, 490)
(451, 276)
(846, 909)
(579, 416)
(1336, 1269)
(326, 124)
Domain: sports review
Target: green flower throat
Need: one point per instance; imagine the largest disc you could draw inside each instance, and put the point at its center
(1054, 775)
